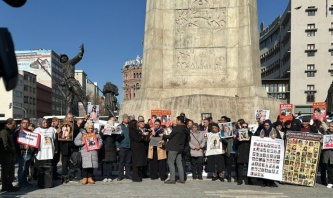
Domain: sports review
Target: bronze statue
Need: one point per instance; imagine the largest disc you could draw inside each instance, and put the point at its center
(110, 91)
(73, 86)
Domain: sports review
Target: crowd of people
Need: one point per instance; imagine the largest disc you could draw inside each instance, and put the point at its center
(182, 141)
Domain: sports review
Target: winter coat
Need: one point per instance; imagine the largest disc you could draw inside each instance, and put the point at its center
(176, 138)
(327, 154)
(89, 158)
(161, 153)
(123, 140)
(197, 139)
(139, 155)
(243, 150)
(68, 147)
(108, 151)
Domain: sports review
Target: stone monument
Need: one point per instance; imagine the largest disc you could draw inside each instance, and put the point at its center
(202, 56)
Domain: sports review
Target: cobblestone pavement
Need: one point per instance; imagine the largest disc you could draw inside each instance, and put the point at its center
(155, 188)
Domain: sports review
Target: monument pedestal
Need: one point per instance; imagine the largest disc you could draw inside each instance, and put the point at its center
(194, 105)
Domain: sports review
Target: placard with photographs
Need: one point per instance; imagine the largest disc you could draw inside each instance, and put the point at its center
(214, 144)
(90, 141)
(328, 142)
(93, 111)
(319, 110)
(301, 158)
(261, 114)
(286, 112)
(66, 131)
(243, 135)
(112, 128)
(266, 158)
(226, 130)
(163, 115)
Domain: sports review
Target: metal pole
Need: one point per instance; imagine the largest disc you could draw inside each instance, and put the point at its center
(25, 111)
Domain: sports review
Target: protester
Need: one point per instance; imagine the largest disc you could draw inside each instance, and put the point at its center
(56, 157)
(157, 155)
(307, 127)
(8, 156)
(327, 159)
(139, 155)
(24, 155)
(123, 145)
(215, 162)
(197, 144)
(243, 152)
(175, 147)
(46, 150)
(89, 158)
(233, 151)
(108, 153)
(268, 131)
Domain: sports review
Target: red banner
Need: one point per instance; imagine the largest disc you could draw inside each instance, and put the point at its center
(286, 112)
(319, 110)
(163, 115)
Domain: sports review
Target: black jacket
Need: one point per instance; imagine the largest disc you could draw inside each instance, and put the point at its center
(7, 145)
(176, 138)
(139, 154)
(243, 150)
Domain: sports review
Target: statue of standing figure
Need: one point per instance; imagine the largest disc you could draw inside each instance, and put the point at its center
(73, 86)
(110, 91)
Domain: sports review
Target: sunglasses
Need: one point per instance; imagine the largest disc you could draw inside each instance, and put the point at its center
(244, 126)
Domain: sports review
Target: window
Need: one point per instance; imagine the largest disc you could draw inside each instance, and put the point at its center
(311, 10)
(17, 94)
(140, 75)
(26, 88)
(26, 98)
(311, 46)
(310, 50)
(19, 83)
(133, 75)
(310, 70)
(311, 29)
(310, 93)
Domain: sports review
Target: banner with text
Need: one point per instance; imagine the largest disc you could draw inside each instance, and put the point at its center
(163, 115)
(28, 138)
(286, 112)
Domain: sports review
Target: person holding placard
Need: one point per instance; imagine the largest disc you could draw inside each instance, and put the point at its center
(327, 159)
(216, 149)
(24, 155)
(243, 153)
(89, 158)
(157, 154)
(270, 132)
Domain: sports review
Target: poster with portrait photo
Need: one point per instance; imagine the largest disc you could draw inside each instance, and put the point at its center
(286, 112)
(301, 158)
(112, 129)
(66, 131)
(261, 114)
(163, 115)
(266, 158)
(91, 141)
(214, 144)
(205, 115)
(328, 142)
(93, 111)
(226, 130)
(319, 110)
(243, 135)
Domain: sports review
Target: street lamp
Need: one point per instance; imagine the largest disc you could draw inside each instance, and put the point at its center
(14, 106)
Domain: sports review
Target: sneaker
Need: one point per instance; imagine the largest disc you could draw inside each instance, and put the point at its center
(329, 185)
(109, 180)
(105, 180)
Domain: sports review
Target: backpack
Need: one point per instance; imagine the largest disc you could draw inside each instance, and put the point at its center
(75, 160)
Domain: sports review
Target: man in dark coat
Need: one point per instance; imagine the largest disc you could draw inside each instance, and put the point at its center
(7, 155)
(139, 154)
(67, 148)
(175, 148)
(123, 144)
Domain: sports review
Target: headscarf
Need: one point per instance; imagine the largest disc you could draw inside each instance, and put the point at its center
(270, 127)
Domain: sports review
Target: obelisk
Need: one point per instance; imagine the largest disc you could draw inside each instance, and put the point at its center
(201, 56)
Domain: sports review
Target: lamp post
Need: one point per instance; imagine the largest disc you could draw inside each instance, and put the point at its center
(14, 106)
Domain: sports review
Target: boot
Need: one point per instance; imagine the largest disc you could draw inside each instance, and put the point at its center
(91, 181)
(84, 181)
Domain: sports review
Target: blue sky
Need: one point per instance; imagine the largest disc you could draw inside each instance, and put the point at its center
(111, 30)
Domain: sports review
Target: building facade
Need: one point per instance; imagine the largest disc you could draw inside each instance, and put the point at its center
(296, 53)
(132, 70)
(29, 94)
(44, 64)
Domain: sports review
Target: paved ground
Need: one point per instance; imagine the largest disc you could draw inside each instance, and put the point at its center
(155, 188)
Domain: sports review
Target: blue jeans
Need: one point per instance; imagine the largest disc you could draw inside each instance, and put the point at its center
(23, 168)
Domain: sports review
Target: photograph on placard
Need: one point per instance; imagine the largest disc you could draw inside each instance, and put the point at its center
(93, 111)
(328, 142)
(66, 131)
(261, 114)
(319, 110)
(243, 135)
(226, 130)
